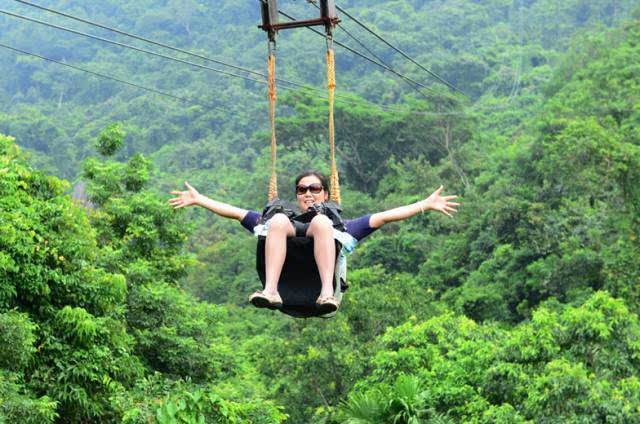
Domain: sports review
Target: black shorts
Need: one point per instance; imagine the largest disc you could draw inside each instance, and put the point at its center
(301, 228)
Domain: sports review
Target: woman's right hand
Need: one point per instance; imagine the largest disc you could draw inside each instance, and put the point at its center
(185, 198)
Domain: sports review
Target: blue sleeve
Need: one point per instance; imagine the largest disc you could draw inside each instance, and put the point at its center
(359, 228)
(250, 220)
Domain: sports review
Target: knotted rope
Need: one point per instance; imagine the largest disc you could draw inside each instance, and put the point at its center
(331, 84)
(273, 182)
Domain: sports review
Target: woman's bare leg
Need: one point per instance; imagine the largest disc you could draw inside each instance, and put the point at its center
(324, 250)
(276, 250)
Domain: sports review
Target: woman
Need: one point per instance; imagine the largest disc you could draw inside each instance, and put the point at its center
(311, 188)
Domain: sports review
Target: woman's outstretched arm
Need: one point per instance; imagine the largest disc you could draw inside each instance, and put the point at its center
(192, 197)
(435, 202)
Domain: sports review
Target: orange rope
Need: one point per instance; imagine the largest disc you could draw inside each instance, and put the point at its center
(273, 182)
(331, 84)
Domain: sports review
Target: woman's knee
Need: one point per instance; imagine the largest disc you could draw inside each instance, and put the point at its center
(320, 223)
(280, 222)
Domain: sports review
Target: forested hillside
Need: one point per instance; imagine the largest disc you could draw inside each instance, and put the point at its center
(523, 308)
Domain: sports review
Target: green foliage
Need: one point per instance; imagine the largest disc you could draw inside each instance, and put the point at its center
(111, 139)
(177, 335)
(369, 137)
(568, 364)
(17, 405)
(203, 407)
(83, 334)
(59, 298)
(137, 173)
(77, 325)
(140, 236)
(17, 339)
(401, 403)
(155, 400)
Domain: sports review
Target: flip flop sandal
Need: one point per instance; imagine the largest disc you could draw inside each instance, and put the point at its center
(328, 304)
(260, 300)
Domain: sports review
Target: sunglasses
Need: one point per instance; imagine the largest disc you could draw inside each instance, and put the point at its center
(314, 188)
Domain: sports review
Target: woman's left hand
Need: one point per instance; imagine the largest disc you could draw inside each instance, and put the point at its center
(440, 203)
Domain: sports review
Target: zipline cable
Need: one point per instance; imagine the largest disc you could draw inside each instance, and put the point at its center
(361, 44)
(366, 102)
(407, 80)
(411, 83)
(357, 53)
(405, 55)
(128, 46)
(166, 46)
(379, 63)
(100, 75)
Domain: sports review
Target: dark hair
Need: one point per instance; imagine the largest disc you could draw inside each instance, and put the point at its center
(316, 174)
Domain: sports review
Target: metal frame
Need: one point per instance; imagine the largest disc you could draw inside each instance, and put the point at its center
(271, 24)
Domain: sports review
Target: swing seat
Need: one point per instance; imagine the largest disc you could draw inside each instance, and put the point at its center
(300, 284)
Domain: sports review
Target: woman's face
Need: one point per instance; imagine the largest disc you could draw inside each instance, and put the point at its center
(305, 192)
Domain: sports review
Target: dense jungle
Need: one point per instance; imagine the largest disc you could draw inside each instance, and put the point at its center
(523, 308)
